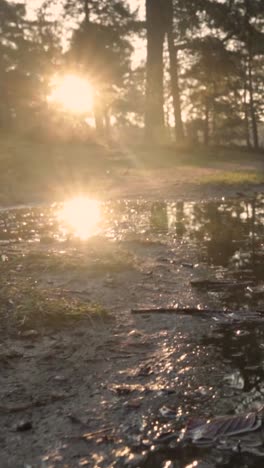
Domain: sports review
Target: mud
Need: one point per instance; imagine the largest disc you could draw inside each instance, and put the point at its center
(105, 390)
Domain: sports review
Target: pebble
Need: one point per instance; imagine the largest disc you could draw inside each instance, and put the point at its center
(24, 426)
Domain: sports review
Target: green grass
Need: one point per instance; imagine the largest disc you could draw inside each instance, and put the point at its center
(28, 298)
(34, 171)
(188, 155)
(233, 178)
(28, 302)
(26, 305)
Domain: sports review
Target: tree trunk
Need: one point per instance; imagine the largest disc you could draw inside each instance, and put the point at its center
(179, 133)
(214, 136)
(97, 107)
(252, 105)
(252, 110)
(86, 12)
(154, 113)
(247, 133)
(98, 114)
(107, 123)
(206, 123)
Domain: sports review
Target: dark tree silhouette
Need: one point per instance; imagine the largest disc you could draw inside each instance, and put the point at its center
(100, 48)
(213, 66)
(156, 22)
(174, 73)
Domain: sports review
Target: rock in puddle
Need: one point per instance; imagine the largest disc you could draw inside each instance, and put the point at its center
(235, 380)
(134, 403)
(136, 333)
(29, 334)
(187, 265)
(60, 378)
(23, 426)
(125, 389)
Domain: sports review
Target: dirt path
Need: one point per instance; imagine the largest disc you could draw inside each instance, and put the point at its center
(133, 177)
(94, 394)
(176, 183)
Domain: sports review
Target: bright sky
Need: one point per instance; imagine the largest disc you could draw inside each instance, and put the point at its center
(35, 4)
(138, 44)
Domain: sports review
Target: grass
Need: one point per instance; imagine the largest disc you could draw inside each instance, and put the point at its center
(233, 178)
(29, 301)
(196, 156)
(33, 171)
(92, 259)
(26, 303)
(31, 306)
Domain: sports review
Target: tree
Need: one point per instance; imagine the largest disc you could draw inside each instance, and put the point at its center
(214, 85)
(30, 51)
(156, 23)
(100, 48)
(174, 73)
(242, 22)
(183, 23)
(12, 17)
(253, 39)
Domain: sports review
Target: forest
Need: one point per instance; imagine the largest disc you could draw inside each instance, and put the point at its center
(131, 233)
(184, 71)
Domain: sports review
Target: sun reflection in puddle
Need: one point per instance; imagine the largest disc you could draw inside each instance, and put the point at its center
(81, 216)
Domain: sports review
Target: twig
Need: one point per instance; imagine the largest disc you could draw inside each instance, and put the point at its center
(188, 310)
(90, 435)
(178, 310)
(16, 408)
(220, 283)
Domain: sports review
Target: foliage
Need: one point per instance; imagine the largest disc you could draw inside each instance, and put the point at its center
(100, 47)
(30, 53)
(221, 46)
(214, 82)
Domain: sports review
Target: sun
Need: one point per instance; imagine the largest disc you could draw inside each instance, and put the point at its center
(73, 93)
(80, 215)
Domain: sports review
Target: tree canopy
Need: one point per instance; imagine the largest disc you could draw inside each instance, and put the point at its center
(200, 72)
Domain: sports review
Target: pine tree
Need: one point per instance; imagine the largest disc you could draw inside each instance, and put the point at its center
(156, 22)
(100, 48)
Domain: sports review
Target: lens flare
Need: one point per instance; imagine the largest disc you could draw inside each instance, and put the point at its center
(73, 93)
(81, 216)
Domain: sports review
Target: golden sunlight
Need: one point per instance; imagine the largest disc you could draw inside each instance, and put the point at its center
(73, 93)
(81, 215)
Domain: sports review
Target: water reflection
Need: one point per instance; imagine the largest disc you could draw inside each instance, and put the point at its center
(228, 234)
(242, 347)
(234, 348)
(81, 216)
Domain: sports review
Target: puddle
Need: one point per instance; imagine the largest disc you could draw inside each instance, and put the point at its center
(226, 231)
(228, 360)
(242, 347)
(228, 235)
(222, 369)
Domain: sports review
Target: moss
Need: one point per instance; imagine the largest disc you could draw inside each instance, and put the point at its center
(25, 302)
(31, 306)
(27, 296)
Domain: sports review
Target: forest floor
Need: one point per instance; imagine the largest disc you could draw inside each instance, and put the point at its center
(35, 172)
(86, 382)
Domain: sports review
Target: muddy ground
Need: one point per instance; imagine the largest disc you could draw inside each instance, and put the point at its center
(92, 391)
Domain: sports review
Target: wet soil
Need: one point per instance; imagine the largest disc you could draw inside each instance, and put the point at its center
(104, 390)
